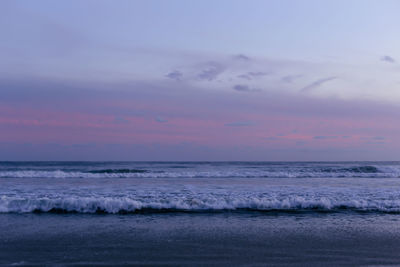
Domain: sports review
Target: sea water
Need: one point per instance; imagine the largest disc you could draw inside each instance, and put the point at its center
(187, 213)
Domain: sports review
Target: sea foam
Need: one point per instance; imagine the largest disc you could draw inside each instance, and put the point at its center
(202, 203)
(363, 171)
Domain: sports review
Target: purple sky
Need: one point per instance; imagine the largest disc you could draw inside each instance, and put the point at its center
(152, 80)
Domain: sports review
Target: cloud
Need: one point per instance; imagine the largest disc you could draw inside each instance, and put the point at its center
(204, 117)
(241, 57)
(317, 83)
(290, 78)
(324, 137)
(244, 76)
(152, 97)
(160, 119)
(175, 75)
(211, 72)
(388, 59)
(239, 123)
(251, 75)
(257, 73)
(244, 88)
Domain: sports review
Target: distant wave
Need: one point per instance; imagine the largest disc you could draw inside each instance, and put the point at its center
(364, 171)
(118, 171)
(114, 205)
(358, 169)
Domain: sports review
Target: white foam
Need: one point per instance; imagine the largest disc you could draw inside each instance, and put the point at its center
(189, 203)
(384, 171)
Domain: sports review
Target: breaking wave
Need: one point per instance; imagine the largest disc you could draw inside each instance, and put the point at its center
(358, 169)
(113, 205)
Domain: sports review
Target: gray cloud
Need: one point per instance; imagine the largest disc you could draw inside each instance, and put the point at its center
(211, 72)
(317, 83)
(175, 75)
(251, 75)
(241, 57)
(388, 59)
(244, 88)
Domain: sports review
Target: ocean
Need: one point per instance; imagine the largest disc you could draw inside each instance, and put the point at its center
(200, 213)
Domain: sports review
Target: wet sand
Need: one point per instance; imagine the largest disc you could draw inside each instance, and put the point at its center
(200, 239)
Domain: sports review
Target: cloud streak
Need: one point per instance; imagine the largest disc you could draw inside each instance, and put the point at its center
(244, 88)
(317, 84)
(252, 75)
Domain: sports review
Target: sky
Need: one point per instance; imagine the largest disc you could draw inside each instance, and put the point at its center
(215, 80)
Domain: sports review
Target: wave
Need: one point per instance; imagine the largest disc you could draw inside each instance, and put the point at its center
(118, 171)
(229, 171)
(199, 174)
(357, 169)
(113, 205)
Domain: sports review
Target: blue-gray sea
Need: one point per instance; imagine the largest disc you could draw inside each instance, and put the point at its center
(199, 213)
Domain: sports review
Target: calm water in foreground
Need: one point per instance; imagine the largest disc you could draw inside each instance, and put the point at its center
(182, 213)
